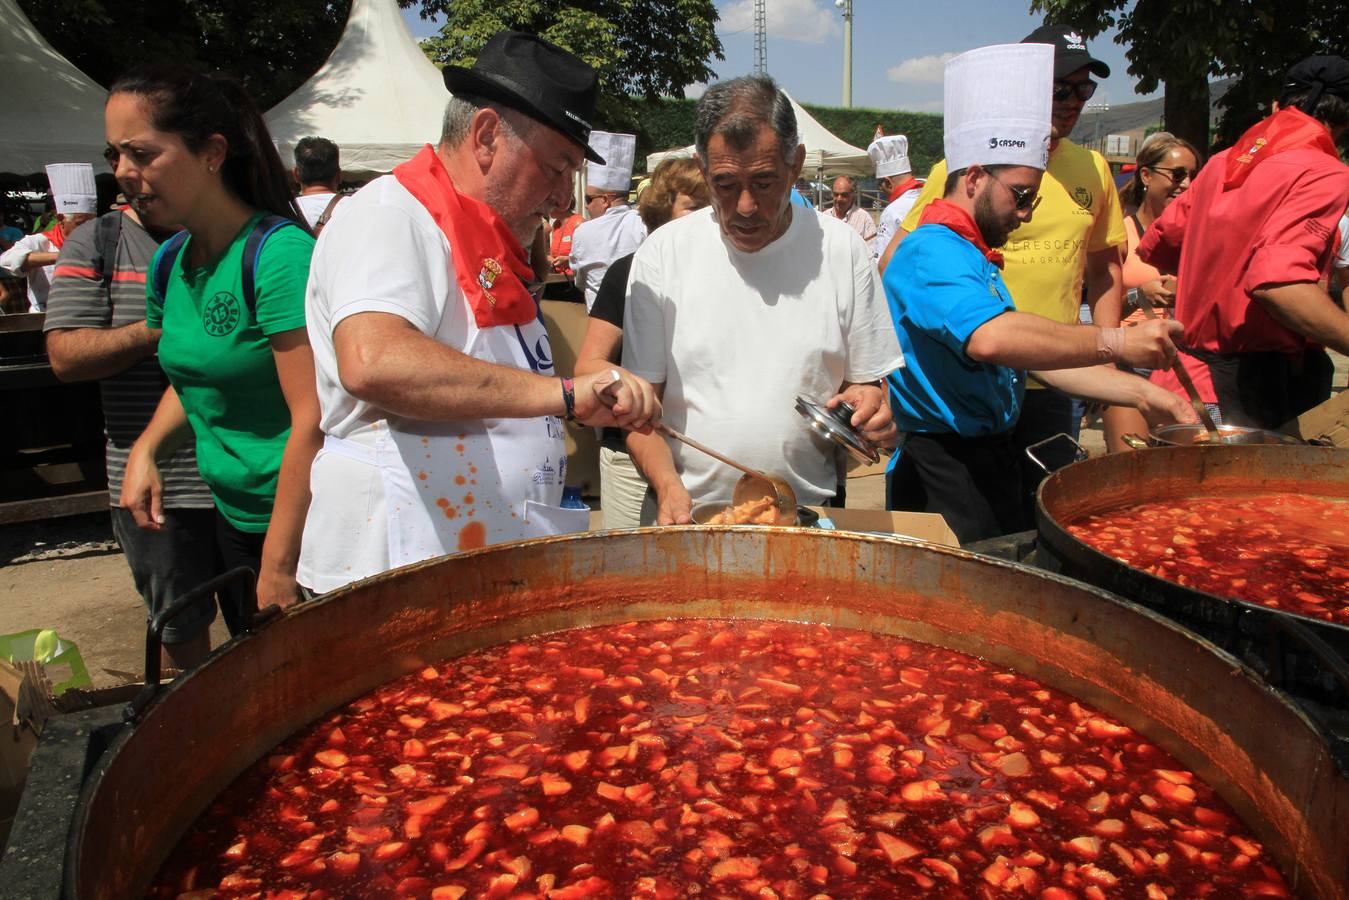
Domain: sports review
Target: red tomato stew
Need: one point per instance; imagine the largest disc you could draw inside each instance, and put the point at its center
(1285, 551)
(726, 758)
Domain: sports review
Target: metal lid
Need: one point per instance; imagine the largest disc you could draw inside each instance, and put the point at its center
(836, 425)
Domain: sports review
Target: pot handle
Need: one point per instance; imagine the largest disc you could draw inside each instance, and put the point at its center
(1079, 455)
(1134, 441)
(154, 631)
(1338, 668)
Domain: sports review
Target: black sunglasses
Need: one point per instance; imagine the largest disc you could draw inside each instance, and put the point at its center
(1178, 174)
(1065, 89)
(1022, 198)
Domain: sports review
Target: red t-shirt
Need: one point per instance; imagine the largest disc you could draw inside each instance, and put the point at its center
(560, 242)
(1223, 244)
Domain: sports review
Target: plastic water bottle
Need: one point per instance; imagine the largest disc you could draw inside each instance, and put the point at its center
(571, 498)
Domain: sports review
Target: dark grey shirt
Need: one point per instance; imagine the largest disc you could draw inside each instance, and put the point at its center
(79, 299)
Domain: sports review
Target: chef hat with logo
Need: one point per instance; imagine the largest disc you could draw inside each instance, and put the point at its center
(997, 106)
(618, 152)
(890, 153)
(73, 187)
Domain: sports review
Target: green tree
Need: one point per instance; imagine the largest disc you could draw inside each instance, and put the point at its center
(1181, 44)
(642, 48)
(272, 45)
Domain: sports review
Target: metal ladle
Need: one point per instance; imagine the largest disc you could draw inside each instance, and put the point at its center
(753, 485)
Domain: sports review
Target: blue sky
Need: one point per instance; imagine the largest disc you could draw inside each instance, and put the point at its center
(899, 47)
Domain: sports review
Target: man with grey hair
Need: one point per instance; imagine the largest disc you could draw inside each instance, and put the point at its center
(843, 206)
(441, 413)
(736, 310)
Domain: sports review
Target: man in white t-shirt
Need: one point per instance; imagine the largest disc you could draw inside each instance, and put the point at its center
(844, 207)
(613, 229)
(318, 172)
(894, 172)
(734, 311)
(440, 410)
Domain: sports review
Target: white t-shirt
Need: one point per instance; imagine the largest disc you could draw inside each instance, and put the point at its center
(598, 242)
(735, 337)
(891, 218)
(39, 279)
(1342, 257)
(313, 205)
(386, 254)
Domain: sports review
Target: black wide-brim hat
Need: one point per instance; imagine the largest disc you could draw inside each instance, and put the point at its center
(536, 77)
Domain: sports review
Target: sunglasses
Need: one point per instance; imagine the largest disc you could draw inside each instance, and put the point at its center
(1022, 198)
(1178, 174)
(1065, 89)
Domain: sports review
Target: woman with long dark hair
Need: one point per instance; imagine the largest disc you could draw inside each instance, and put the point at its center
(1166, 165)
(191, 149)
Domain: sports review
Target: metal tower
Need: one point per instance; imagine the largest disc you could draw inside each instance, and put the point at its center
(760, 38)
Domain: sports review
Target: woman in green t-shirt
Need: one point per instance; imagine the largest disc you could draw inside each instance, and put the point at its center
(192, 150)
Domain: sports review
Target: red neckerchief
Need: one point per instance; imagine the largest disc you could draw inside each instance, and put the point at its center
(484, 248)
(55, 235)
(904, 188)
(944, 212)
(1288, 129)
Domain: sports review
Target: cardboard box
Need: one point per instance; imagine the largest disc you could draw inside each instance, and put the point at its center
(929, 527)
(18, 738)
(567, 323)
(1327, 423)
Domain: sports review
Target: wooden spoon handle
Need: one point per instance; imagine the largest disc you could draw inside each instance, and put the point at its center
(685, 439)
(1183, 376)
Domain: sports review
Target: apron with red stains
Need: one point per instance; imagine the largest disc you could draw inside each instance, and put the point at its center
(454, 486)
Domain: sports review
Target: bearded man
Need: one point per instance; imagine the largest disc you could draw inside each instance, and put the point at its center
(966, 346)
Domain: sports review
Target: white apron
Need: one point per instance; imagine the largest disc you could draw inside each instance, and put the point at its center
(454, 486)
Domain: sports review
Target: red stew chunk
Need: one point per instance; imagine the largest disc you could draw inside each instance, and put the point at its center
(1285, 551)
(724, 759)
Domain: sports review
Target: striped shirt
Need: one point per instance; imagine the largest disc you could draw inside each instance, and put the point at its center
(79, 299)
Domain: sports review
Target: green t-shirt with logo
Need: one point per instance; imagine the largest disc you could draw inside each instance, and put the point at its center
(218, 358)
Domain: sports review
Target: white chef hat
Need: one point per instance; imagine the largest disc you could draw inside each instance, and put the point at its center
(997, 106)
(618, 152)
(890, 154)
(73, 187)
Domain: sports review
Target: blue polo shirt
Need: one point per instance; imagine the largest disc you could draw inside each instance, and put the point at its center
(941, 289)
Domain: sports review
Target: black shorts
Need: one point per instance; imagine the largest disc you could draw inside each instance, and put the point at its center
(167, 563)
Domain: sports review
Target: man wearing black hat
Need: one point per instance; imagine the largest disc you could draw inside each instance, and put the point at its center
(1251, 243)
(1075, 234)
(441, 413)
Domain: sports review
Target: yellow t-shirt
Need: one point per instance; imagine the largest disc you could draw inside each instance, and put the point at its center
(1046, 258)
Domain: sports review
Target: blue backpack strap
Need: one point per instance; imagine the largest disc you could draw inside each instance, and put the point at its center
(266, 227)
(168, 255)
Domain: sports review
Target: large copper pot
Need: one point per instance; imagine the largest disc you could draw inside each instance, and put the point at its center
(1261, 754)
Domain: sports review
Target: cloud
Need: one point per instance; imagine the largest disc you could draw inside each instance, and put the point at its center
(808, 21)
(920, 69)
(922, 106)
(695, 91)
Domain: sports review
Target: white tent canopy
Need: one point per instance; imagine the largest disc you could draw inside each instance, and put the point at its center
(53, 112)
(377, 96)
(824, 151)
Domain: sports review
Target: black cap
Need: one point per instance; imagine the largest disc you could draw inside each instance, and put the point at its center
(536, 77)
(1322, 74)
(1070, 50)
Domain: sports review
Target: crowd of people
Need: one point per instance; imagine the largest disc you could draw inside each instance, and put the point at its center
(322, 411)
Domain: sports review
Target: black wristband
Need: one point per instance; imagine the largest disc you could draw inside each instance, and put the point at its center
(569, 398)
